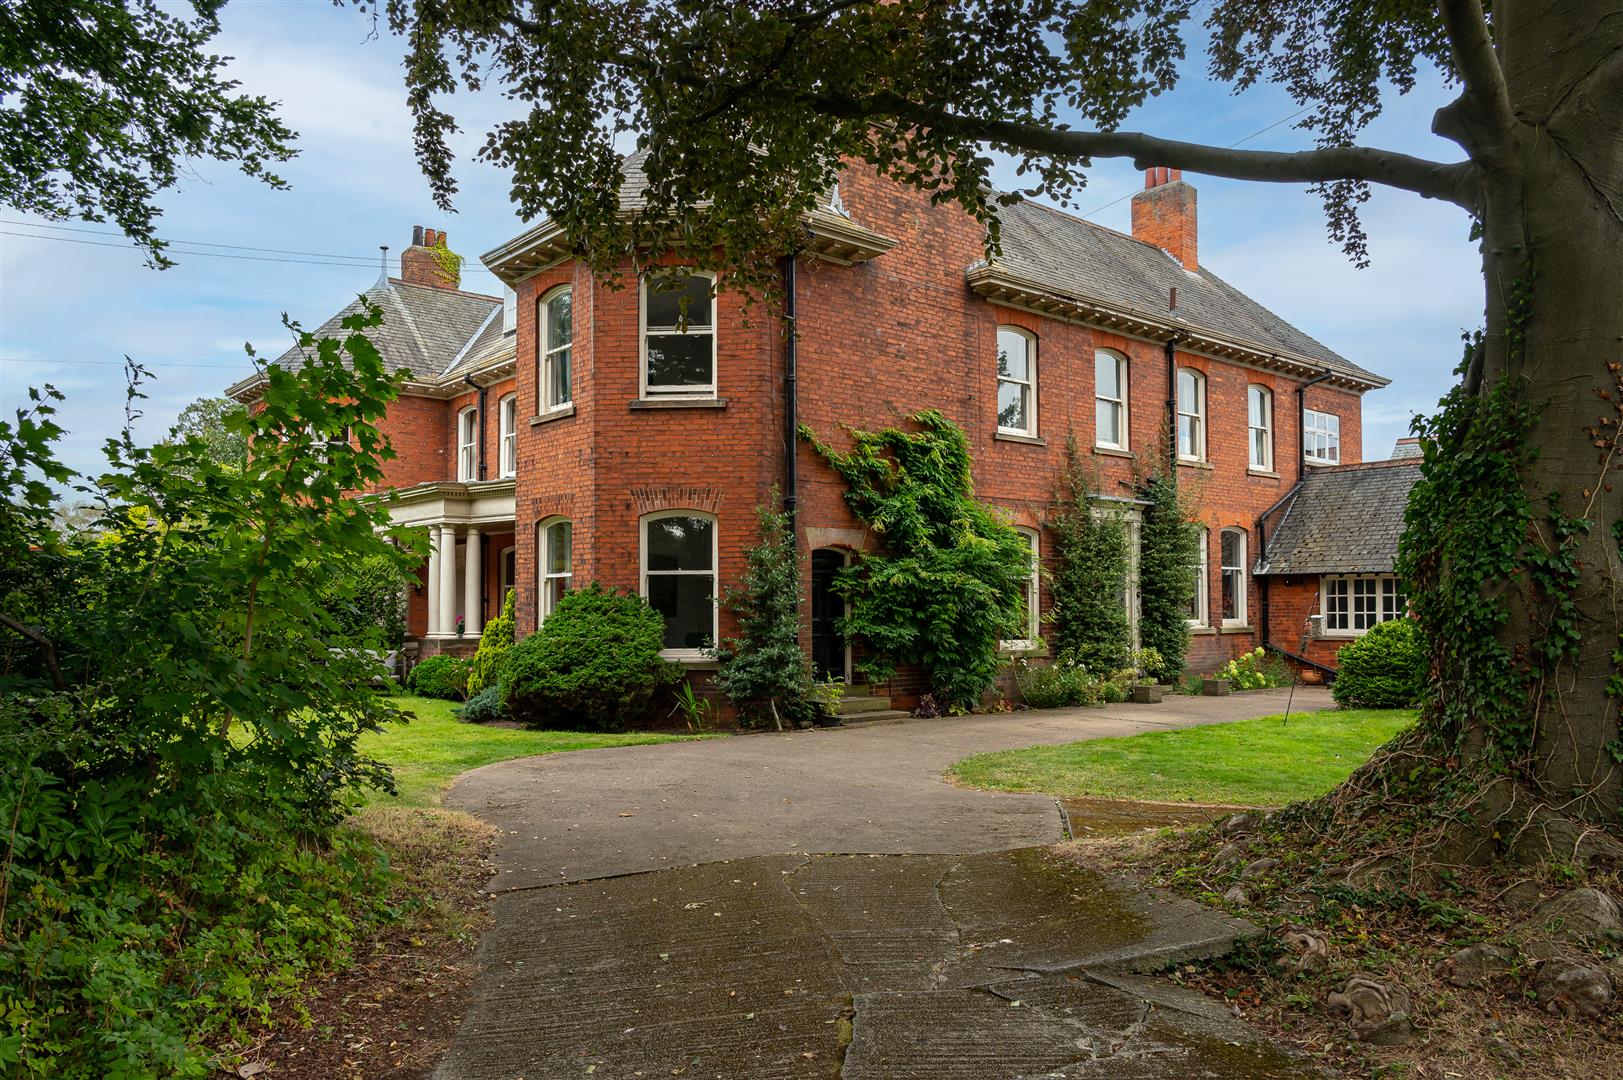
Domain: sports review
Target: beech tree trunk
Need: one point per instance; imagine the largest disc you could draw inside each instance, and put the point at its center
(1552, 215)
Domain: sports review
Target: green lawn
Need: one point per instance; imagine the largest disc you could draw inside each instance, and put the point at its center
(432, 748)
(1269, 761)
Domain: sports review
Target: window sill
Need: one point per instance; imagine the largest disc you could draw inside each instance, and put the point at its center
(1262, 473)
(691, 659)
(1186, 463)
(1201, 631)
(678, 403)
(1022, 648)
(560, 413)
(1236, 628)
(1313, 464)
(1113, 451)
(1017, 437)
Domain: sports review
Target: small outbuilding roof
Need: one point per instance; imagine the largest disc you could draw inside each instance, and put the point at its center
(1344, 519)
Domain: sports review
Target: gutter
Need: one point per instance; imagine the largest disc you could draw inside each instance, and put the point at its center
(479, 449)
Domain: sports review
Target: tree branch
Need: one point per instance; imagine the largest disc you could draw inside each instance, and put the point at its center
(1455, 183)
(1482, 119)
(47, 646)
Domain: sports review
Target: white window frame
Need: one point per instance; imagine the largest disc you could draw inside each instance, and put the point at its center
(644, 331)
(1241, 573)
(1321, 437)
(544, 576)
(550, 355)
(507, 581)
(1034, 602)
(1340, 619)
(1197, 416)
(714, 573)
(1203, 581)
(467, 444)
(509, 310)
(1260, 428)
(507, 412)
(1120, 405)
(1029, 383)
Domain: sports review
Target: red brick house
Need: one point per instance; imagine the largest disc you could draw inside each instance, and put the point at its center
(579, 432)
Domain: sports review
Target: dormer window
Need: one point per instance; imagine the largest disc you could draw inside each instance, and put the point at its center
(509, 311)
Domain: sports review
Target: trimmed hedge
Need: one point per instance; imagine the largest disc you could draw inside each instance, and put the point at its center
(1384, 669)
(444, 677)
(594, 664)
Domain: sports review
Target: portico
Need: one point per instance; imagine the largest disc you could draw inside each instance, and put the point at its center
(470, 563)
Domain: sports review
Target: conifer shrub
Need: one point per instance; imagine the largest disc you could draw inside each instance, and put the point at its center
(594, 664)
(443, 677)
(1168, 560)
(1384, 669)
(484, 707)
(488, 663)
(1088, 617)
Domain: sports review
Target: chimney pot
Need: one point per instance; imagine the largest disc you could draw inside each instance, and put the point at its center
(421, 266)
(416, 236)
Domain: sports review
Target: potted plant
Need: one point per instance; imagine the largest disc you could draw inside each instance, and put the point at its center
(827, 696)
(1147, 666)
(1214, 687)
(461, 625)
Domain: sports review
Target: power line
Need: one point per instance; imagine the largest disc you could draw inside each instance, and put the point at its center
(120, 363)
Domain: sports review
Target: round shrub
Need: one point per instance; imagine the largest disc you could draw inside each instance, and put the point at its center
(593, 666)
(484, 707)
(1384, 669)
(444, 677)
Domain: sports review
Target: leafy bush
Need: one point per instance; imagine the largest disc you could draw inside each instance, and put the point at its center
(1384, 669)
(1090, 548)
(181, 740)
(490, 660)
(1067, 684)
(367, 601)
(593, 666)
(1168, 559)
(484, 707)
(764, 671)
(950, 584)
(1253, 671)
(443, 677)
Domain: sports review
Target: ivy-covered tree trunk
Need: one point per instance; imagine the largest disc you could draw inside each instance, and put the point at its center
(1552, 225)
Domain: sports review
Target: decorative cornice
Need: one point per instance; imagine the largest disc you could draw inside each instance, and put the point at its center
(1002, 286)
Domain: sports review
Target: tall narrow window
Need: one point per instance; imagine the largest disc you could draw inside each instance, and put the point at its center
(1191, 415)
(556, 551)
(1199, 601)
(1016, 381)
(679, 577)
(1260, 410)
(1321, 437)
(1110, 393)
(1233, 567)
(557, 337)
(1031, 597)
(679, 336)
(467, 444)
(508, 412)
(509, 310)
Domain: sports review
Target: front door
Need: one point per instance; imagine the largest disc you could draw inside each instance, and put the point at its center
(827, 608)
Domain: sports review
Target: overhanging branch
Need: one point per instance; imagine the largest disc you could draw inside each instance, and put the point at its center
(1484, 119)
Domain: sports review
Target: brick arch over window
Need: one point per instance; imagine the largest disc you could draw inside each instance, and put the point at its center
(548, 506)
(651, 500)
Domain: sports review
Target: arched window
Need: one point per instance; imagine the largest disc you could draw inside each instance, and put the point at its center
(555, 558)
(679, 578)
(556, 334)
(1200, 601)
(1191, 415)
(1030, 594)
(678, 336)
(1259, 403)
(1110, 399)
(1016, 381)
(507, 410)
(467, 444)
(1233, 567)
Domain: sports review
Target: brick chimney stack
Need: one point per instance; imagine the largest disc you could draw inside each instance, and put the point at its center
(421, 266)
(1164, 215)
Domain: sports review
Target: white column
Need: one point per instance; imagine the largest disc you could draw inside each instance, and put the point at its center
(434, 570)
(447, 590)
(473, 584)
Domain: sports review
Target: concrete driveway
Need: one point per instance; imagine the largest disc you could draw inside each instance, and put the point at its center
(824, 905)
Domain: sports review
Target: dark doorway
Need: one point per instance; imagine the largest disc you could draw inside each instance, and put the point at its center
(827, 608)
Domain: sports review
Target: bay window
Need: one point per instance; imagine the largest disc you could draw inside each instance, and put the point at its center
(678, 336)
(679, 578)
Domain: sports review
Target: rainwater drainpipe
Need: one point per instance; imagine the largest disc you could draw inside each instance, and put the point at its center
(1301, 422)
(790, 401)
(1171, 349)
(479, 450)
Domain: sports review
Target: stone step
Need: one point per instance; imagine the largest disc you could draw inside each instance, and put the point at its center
(880, 716)
(851, 704)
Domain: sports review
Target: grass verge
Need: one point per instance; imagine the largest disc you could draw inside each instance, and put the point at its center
(430, 750)
(1269, 761)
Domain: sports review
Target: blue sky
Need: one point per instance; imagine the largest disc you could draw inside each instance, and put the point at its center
(70, 312)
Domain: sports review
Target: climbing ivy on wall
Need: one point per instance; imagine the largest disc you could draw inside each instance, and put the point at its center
(948, 586)
(1168, 559)
(1087, 615)
(448, 264)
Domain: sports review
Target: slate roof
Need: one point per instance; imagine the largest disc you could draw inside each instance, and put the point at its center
(490, 343)
(423, 328)
(1084, 260)
(1344, 519)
